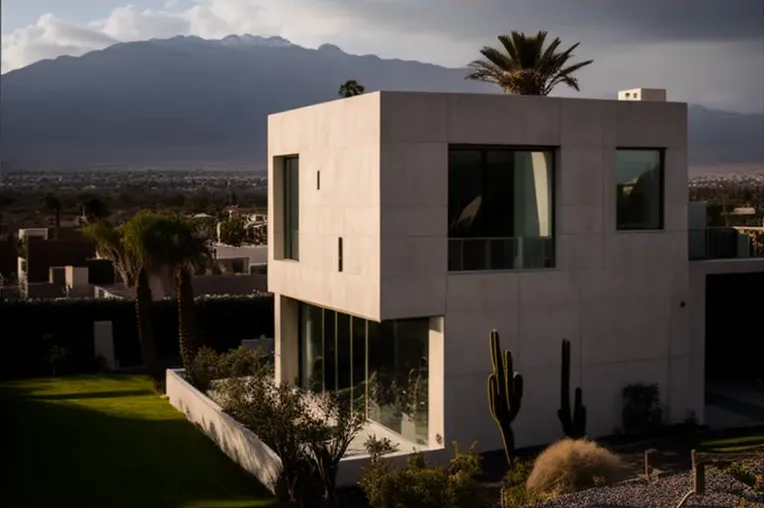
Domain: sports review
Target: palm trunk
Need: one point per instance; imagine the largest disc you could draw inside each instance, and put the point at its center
(144, 317)
(186, 318)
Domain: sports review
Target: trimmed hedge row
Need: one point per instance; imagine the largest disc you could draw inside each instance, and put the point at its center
(30, 328)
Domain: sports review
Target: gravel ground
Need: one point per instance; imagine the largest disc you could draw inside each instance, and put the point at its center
(722, 491)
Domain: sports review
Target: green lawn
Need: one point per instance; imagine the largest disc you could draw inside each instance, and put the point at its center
(110, 441)
(745, 440)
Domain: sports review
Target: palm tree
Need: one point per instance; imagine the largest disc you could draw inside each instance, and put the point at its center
(351, 89)
(94, 209)
(121, 247)
(179, 245)
(524, 66)
(53, 205)
(109, 242)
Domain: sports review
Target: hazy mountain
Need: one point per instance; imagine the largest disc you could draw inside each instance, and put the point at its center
(188, 100)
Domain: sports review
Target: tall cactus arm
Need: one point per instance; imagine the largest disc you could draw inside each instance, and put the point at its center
(505, 392)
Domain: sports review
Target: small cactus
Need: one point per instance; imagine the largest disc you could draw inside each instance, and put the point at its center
(573, 426)
(505, 392)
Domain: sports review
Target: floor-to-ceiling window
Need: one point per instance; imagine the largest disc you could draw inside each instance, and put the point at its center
(383, 366)
(500, 208)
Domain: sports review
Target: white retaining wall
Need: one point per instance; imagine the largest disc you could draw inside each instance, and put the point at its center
(247, 450)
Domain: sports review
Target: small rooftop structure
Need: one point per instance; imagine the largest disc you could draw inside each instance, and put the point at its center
(643, 94)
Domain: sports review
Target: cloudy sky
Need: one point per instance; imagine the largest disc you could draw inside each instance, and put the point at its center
(709, 52)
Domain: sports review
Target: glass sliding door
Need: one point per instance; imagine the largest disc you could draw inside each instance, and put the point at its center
(381, 367)
(343, 358)
(330, 350)
(358, 364)
(312, 348)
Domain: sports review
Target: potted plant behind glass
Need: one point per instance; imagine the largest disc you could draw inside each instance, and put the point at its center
(409, 402)
(373, 389)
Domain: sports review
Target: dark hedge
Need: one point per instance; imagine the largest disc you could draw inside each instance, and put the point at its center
(28, 330)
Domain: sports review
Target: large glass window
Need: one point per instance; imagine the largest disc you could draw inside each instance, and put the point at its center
(291, 210)
(500, 208)
(639, 189)
(383, 365)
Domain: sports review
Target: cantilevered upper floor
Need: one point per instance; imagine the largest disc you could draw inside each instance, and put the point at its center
(385, 204)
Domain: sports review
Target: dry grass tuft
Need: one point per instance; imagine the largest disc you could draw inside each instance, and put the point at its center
(572, 465)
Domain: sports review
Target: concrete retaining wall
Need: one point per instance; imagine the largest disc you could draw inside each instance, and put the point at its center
(247, 450)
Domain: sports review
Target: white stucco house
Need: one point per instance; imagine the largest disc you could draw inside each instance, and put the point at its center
(406, 226)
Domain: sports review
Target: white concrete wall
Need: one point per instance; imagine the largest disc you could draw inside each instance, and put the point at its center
(617, 296)
(239, 443)
(248, 451)
(341, 140)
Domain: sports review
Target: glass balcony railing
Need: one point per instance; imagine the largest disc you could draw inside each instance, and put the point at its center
(513, 253)
(726, 243)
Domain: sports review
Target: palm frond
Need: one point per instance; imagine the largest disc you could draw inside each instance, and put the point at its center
(526, 64)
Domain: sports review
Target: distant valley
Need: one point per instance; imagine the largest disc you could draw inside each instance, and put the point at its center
(189, 101)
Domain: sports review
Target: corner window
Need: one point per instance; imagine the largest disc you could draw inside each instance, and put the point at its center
(639, 189)
(291, 212)
(500, 208)
(383, 367)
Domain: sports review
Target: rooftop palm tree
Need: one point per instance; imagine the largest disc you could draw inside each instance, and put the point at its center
(523, 65)
(351, 89)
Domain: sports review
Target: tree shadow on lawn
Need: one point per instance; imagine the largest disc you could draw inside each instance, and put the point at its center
(58, 453)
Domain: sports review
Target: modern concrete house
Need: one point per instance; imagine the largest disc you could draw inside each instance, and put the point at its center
(406, 226)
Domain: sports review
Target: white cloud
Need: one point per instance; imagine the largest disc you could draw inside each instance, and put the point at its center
(306, 22)
(437, 31)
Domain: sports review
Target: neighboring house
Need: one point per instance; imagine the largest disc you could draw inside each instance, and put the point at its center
(40, 254)
(406, 226)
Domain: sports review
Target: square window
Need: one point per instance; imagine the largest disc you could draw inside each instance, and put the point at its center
(500, 208)
(639, 189)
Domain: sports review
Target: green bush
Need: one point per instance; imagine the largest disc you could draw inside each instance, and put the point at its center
(209, 366)
(515, 491)
(29, 328)
(419, 484)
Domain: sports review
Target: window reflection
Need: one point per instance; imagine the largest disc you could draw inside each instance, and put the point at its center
(384, 366)
(639, 189)
(500, 208)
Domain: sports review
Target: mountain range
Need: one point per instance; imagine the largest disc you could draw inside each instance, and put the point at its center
(191, 101)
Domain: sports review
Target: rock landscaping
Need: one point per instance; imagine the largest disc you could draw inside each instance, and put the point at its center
(723, 489)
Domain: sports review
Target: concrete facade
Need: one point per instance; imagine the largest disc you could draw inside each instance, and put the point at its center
(622, 298)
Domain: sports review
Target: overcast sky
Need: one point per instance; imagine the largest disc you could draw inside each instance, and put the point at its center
(708, 52)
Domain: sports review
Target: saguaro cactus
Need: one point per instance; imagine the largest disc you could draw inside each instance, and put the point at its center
(505, 392)
(574, 426)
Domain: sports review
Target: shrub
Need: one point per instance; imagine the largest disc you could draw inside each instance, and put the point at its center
(209, 366)
(61, 360)
(572, 465)
(515, 491)
(328, 445)
(642, 408)
(419, 484)
(741, 473)
(283, 418)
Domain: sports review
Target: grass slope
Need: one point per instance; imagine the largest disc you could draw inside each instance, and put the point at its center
(110, 441)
